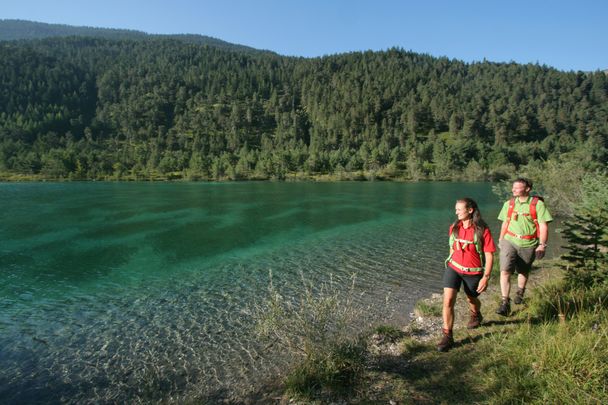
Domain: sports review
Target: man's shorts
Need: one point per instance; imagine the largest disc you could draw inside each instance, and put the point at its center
(453, 279)
(516, 258)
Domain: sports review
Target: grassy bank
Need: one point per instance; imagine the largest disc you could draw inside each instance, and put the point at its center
(552, 349)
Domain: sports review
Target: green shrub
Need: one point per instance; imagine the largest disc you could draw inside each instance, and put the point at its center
(336, 370)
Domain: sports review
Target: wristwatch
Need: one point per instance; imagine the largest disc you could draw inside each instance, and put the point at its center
(542, 244)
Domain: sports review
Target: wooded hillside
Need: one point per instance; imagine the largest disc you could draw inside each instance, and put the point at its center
(93, 108)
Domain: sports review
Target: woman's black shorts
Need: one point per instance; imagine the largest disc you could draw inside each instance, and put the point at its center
(453, 279)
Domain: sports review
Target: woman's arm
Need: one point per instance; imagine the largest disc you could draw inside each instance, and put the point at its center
(483, 283)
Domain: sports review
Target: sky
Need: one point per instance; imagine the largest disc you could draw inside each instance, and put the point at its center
(567, 35)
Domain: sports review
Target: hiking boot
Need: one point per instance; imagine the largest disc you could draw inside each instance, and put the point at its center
(519, 296)
(446, 343)
(475, 320)
(505, 307)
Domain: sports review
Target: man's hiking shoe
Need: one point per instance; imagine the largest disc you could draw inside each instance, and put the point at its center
(505, 308)
(519, 296)
(446, 343)
(475, 320)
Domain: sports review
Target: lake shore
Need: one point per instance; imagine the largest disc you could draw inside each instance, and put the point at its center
(360, 175)
(404, 367)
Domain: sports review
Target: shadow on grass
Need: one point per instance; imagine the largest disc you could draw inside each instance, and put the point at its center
(471, 339)
(512, 321)
(445, 377)
(398, 365)
(503, 322)
(437, 376)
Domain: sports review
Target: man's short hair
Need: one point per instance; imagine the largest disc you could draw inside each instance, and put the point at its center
(525, 181)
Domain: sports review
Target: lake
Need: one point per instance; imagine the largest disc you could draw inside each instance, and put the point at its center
(119, 292)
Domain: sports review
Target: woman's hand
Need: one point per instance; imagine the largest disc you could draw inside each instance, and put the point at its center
(483, 284)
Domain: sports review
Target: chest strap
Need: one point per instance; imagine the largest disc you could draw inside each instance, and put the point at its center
(527, 237)
(465, 269)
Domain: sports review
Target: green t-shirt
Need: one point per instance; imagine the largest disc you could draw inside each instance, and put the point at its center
(521, 221)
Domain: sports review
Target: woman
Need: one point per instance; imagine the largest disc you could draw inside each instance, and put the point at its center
(469, 263)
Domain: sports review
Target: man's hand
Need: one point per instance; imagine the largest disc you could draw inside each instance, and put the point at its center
(540, 251)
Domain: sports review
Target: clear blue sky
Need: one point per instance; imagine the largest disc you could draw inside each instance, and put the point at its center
(568, 35)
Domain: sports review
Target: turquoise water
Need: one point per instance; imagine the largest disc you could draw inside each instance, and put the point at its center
(105, 285)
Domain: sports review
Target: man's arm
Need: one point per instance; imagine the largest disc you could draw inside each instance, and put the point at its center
(543, 228)
(503, 230)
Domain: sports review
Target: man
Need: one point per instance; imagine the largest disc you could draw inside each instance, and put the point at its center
(523, 237)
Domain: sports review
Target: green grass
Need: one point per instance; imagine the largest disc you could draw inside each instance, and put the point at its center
(550, 362)
(389, 332)
(425, 308)
(534, 356)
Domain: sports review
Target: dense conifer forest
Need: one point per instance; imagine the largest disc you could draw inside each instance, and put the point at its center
(173, 108)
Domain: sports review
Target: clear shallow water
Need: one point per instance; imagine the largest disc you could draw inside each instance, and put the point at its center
(144, 291)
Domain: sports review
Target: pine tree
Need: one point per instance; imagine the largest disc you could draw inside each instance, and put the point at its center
(587, 235)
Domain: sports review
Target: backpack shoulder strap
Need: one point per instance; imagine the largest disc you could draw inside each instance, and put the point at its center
(534, 214)
(511, 208)
(533, 203)
(451, 243)
(479, 247)
(510, 211)
(452, 238)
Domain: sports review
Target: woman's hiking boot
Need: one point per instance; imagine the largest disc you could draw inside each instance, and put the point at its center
(505, 307)
(446, 342)
(519, 296)
(475, 320)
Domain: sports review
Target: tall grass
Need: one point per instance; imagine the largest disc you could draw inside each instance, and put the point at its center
(549, 361)
(554, 301)
(317, 329)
